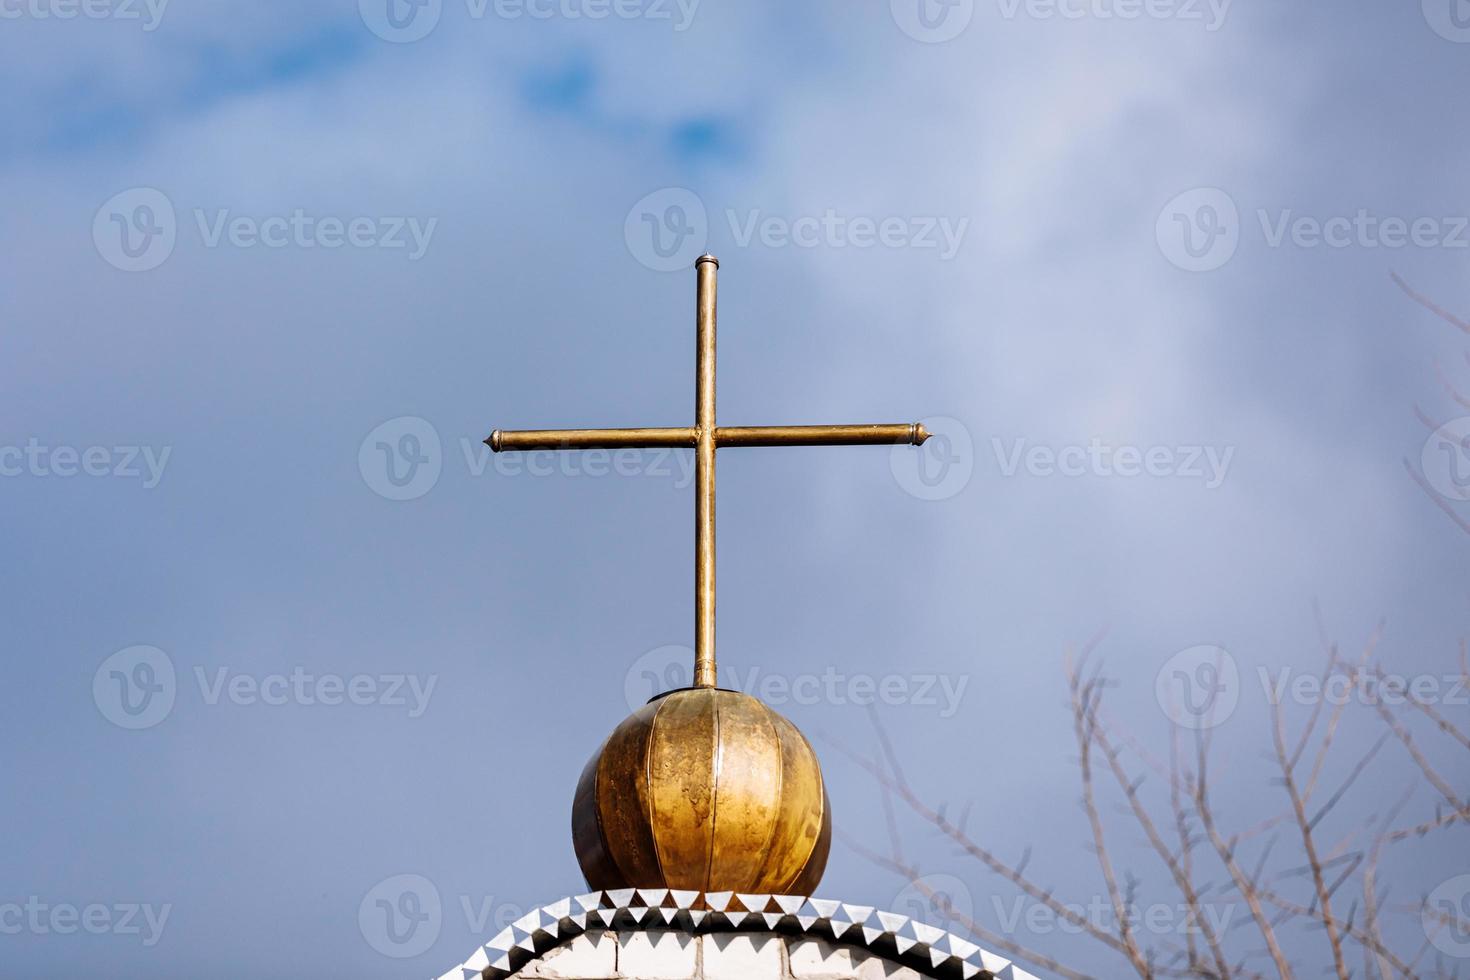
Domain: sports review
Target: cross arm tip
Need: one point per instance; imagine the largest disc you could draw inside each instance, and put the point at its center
(921, 434)
(494, 442)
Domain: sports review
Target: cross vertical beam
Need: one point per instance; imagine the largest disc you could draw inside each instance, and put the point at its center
(707, 273)
(705, 438)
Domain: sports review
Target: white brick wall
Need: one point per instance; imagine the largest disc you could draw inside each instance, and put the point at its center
(658, 954)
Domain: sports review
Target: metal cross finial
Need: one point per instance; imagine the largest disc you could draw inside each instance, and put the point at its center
(704, 437)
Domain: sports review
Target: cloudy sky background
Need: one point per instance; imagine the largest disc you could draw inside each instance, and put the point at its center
(533, 604)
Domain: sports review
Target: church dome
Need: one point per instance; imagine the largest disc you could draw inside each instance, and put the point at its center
(703, 790)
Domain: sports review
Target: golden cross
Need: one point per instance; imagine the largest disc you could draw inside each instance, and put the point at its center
(704, 437)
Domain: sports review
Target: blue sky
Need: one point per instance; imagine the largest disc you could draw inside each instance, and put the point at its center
(253, 248)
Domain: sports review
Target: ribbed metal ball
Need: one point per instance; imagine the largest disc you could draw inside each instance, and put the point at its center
(703, 790)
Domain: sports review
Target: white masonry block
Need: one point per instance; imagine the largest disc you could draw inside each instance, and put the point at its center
(657, 954)
(590, 956)
(742, 957)
(813, 959)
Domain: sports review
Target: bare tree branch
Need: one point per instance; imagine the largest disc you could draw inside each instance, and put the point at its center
(1083, 694)
(1436, 499)
(1429, 304)
(898, 785)
(1226, 853)
(1177, 866)
(947, 909)
(1324, 900)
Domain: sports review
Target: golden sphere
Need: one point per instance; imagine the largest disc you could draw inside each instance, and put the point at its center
(703, 790)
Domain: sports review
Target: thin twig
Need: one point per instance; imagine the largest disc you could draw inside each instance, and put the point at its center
(1082, 696)
(1324, 900)
(1430, 305)
(901, 790)
(947, 910)
(1436, 499)
(1227, 857)
(1179, 871)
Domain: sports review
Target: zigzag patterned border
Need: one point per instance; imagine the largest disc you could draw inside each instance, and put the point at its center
(931, 951)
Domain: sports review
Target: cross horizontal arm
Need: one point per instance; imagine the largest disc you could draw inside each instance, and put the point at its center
(725, 435)
(501, 441)
(821, 435)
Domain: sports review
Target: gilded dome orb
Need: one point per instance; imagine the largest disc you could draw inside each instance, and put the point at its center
(703, 790)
